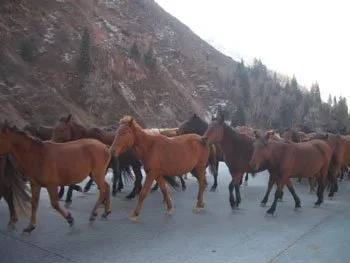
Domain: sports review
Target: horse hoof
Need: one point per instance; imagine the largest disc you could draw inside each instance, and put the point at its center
(213, 189)
(133, 218)
(106, 214)
(183, 188)
(197, 210)
(269, 214)
(279, 200)
(331, 197)
(170, 212)
(297, 209)
(129, 197)
(114, 193)
(67, 204)
(263, 204)
(70, 219)
(317, 205)
(245, 183)
(28, 229)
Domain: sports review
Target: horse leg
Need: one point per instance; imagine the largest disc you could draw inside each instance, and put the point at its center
(155, 187)
(269, 188)
(166, 197)
(104, 195)
(230, 190)
(215, 175)
(88, 185)
(52, 190)
(183, 184)
(238, 179)
(185, 176)
(294, 194)
(8, 196)
(333, 181)
(35, 189)
(61, 192)
(70, 194)
(246, 179)
(273, 207)
(200, 174)
(312, 182)
(320, 191)
(142, 196)
(138, 183)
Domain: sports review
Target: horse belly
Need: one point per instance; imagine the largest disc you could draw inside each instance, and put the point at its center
(178, 162)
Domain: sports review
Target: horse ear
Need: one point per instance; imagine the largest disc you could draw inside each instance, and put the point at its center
(5, 126)
(69, 117)
(326, 135)
(257, 134)
(130, 122)
(194, 116)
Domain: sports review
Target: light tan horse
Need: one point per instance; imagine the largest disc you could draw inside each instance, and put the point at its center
(50, 165)
(161, 156)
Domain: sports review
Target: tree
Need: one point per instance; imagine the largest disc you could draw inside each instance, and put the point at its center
(84, 63)
(238, 117)
(329, 101)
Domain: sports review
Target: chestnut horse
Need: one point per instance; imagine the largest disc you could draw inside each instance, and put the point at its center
(340, 145)
(44, 133)
(68, 130)
(161, 155)
(286, 158)
(47, 164)
(198, 126)
(13, 189)
(237, 148)
(168, 132)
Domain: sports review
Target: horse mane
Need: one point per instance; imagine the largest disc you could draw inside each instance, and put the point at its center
(15, 129)
(230, 131)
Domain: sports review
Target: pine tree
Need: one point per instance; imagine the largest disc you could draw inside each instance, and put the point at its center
(84, 59)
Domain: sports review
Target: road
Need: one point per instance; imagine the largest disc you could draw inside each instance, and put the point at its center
(217, 234)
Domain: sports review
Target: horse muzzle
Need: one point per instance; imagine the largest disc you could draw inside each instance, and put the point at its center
(254, 166)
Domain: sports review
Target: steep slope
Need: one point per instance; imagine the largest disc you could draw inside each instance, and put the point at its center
(169, 75)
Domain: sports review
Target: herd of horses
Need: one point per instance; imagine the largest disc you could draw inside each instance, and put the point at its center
(64, 155)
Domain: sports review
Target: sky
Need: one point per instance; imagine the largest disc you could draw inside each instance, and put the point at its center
(309, 39)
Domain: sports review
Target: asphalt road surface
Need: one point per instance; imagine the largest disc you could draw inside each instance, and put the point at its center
(217, 234)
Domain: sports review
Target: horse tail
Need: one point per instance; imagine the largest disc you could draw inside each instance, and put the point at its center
(15, 180)
(212, 159)
(170, 180)
(126, 174)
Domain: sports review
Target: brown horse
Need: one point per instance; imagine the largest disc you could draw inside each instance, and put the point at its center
(237, 148)
(198, 126)
(68, 130)
(13, 189)
(168, 132)
(340, 145)
(44, 133)
(50, 165)
(286, 158)
(161, 155)
(275, 136)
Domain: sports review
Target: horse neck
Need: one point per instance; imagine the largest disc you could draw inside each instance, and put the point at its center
(78, 131)
(26, 151)
(142, 142)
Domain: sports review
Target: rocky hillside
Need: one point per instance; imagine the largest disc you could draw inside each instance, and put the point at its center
(101, 59)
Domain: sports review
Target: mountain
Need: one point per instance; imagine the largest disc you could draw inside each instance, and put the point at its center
(102, 59)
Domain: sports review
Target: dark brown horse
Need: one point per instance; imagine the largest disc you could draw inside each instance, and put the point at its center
(68, 130)
(340, 145)
(13, 189)
(50, 165)
(44, 133)
(161, 156)
(237, 148)
(285, 158)
(198, 126)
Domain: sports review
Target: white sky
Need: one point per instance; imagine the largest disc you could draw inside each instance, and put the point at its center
(308, 38)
